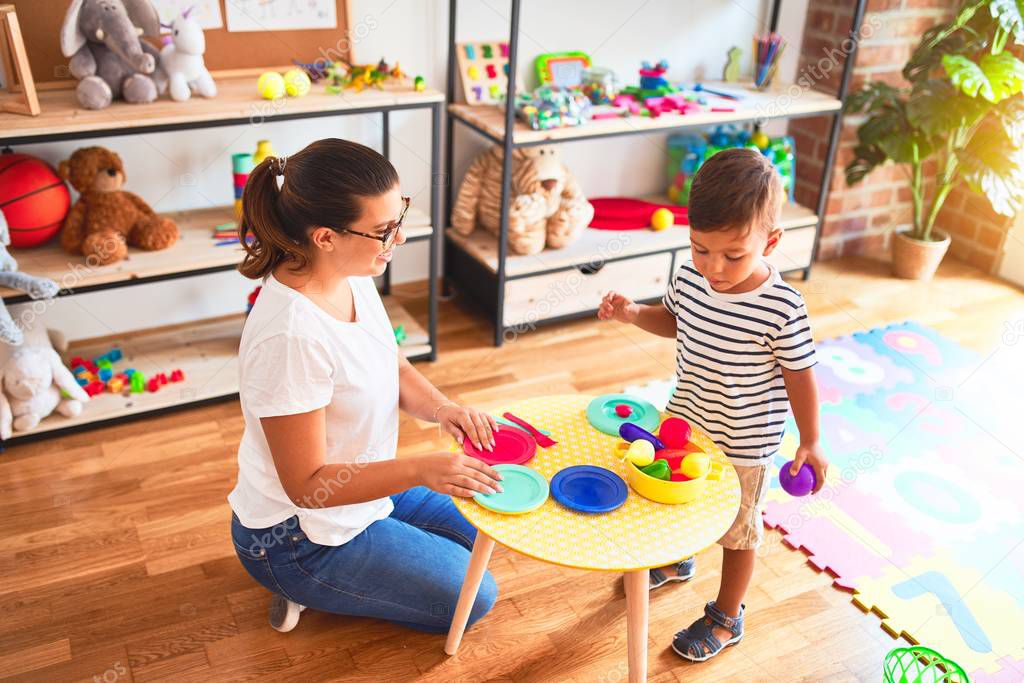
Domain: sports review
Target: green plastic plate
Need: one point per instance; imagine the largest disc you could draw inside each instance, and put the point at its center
(601, 413)
(524, 490)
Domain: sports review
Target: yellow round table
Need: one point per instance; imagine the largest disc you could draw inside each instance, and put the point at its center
(639, 536)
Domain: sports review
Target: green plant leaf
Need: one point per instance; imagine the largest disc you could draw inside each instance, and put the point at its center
(992, 165)
(994, 77)
(1010, 15)
(937, 108)
(865, 159)
(1010, 113)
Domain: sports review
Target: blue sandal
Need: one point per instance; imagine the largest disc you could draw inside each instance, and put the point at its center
(698, 643)
(685, 571)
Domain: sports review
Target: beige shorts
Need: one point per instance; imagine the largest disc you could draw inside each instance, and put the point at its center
(747, 531)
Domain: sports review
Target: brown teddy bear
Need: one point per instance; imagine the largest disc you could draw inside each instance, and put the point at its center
(546, 207)
(106, 219)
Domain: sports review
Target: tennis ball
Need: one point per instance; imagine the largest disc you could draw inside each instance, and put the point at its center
(662, 218)
(270, 85)
(296, 83)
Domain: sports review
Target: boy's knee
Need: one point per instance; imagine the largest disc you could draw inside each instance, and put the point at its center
(485, 598)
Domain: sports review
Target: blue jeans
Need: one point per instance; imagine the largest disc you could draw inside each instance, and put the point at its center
(407, 568)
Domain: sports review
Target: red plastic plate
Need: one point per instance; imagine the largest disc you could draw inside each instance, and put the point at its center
(511, 447)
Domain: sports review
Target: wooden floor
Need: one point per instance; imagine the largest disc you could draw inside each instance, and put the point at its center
(116, 561)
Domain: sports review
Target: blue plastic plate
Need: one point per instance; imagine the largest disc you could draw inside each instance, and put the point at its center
(587, 488)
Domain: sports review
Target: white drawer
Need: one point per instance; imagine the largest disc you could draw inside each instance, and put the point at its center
(793, 253)
(534, 299)
(795, 250)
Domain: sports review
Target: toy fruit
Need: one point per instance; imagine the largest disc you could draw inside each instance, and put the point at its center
(270, 85)
(662, 218)
(296, 83)
(631, 432)
(760, 140)
(640, 453)
(418, 84)
(672, 456)
(623, 410)
(695, 465)
(675, 432)
(676, 476)
(658, 469)
(799, 485)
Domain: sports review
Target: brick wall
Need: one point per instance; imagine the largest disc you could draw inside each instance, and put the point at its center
(978, 232)
(858, 219)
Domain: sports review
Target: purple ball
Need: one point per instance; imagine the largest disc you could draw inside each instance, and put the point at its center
(800, 485)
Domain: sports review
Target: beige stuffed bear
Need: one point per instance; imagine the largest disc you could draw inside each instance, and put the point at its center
(546, 206)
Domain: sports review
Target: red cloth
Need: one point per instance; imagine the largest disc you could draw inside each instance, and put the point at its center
(626, 213)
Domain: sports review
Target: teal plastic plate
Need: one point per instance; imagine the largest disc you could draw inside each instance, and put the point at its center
(601, 413)
(524, 490)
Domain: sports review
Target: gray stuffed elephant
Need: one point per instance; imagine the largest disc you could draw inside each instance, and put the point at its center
(103, 40)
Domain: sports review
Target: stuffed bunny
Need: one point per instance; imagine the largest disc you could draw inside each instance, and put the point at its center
(182, 59)
(32, 378)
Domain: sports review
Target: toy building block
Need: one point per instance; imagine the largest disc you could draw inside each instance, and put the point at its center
(153, 385)
(106, 374)
(115, 385)
(138, 383)
(177, 375)
(94, 388)
(161, 378)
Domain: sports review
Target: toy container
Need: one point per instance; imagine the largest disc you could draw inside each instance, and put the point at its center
(599, 84)
(671, 492)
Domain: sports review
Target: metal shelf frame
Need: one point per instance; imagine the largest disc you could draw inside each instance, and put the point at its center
(482, 280)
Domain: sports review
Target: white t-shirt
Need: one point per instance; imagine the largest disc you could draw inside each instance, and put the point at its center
(294, 358)
(731, 349)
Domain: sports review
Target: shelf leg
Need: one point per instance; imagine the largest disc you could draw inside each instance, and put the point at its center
(436, 234)
(506, 174)
(837, 123)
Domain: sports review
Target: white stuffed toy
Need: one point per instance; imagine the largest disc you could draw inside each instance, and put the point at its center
(182, 59)
(32, 378)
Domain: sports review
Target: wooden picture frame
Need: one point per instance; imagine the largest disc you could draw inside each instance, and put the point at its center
(16, 66)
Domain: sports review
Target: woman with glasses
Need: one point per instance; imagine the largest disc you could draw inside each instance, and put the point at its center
(324, 515)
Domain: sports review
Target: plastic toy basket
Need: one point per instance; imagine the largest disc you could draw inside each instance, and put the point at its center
(921, 665)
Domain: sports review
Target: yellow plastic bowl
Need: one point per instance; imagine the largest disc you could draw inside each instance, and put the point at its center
(671, 492)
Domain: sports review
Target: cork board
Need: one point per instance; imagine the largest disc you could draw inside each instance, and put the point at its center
(225, 51)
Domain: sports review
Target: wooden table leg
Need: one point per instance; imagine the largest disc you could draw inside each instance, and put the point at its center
(478, 560)
(637, 594)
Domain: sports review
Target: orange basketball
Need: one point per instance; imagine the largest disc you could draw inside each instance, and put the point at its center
(33, 199)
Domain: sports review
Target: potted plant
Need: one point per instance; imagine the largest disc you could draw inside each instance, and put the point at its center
(962, 113)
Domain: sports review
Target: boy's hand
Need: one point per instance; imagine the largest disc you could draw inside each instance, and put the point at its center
(614, 306)
(815, 457)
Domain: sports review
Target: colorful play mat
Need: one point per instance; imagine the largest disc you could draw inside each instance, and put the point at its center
(922, 515)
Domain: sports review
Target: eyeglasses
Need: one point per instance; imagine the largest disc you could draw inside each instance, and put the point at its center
(388, 236)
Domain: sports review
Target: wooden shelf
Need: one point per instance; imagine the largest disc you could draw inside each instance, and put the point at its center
(195, 251)
(207, 352)
(599, 245)
(417, 340)
(237, 101)
(756, 105)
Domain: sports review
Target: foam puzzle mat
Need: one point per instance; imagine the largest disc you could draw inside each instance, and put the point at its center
(922, 516)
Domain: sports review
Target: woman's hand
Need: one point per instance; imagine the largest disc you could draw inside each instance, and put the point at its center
(462, 422)
(455, 474)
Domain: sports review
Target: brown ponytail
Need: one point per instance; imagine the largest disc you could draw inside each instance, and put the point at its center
(321, 186)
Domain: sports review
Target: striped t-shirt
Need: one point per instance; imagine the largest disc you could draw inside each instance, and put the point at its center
(731, 349)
